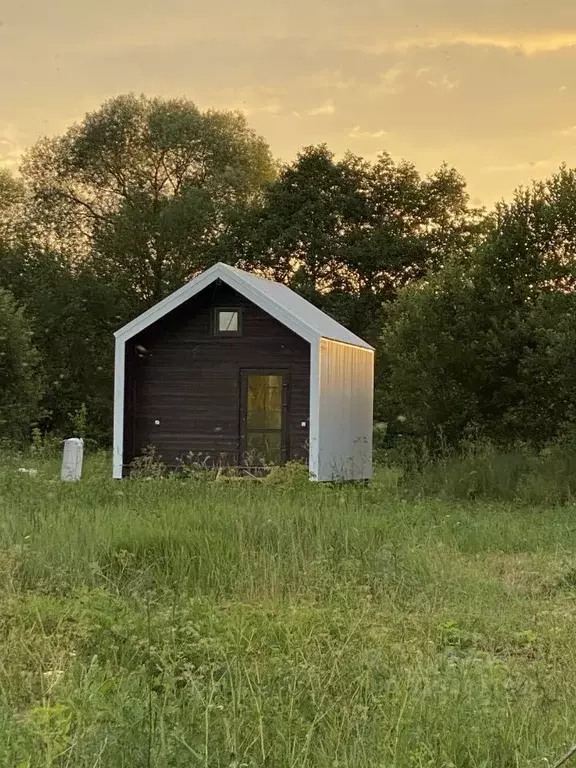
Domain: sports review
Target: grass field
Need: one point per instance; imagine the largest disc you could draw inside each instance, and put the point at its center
(174, 623)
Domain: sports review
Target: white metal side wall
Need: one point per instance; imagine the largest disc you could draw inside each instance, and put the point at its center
(346, 404)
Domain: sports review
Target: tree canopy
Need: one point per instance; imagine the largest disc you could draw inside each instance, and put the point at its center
(472, 311)
(348, 234)
(142, 188)
(20, 377)
(486, 342)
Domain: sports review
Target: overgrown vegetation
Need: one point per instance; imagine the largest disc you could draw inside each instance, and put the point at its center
(478, 469)
(487, 342)
(172, 622)
(20, 376)
(144, 193)
(472, 311)
(216, 619)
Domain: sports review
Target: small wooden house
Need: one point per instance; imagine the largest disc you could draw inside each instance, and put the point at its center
(242, 371)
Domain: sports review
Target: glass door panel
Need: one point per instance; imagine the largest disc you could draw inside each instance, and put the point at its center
(264, 418)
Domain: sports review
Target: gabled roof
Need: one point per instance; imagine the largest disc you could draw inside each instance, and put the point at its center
(278, 300)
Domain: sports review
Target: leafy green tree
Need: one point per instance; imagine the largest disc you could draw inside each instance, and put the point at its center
(113, 215)
(348, 234)
(20, 380)
(73, 317)
(448, 354)
(143, 188)
(12, 196)
(487, 340)
(546, 374)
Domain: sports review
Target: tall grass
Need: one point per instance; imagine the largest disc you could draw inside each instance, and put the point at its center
(477, 469)
(172, 622)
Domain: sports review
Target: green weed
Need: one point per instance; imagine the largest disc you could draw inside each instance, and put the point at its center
(179, 622)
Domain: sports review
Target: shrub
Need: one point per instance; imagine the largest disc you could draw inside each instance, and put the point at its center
(20, 379)
(149, 464)
(292, 474)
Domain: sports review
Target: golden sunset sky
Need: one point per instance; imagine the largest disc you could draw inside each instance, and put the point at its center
(489, 86)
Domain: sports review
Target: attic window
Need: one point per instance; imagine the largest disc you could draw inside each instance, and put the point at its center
(227, 322)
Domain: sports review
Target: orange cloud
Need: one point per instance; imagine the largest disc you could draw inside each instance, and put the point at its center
(529, 44)
(356, 133)
(524, 166)
(271, 108)
(324, 109)
(445, 82)
(10, 149)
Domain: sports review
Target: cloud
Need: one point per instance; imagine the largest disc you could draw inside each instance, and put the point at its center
(374, 26)
(106, 27)
(444, 83)
(324, 109)
(528, 44)
(255, 100)
(329, 79)
(516, 167)
(10, 148)
(356, 133)
(568, 131)
(273, 107)
(389, 80)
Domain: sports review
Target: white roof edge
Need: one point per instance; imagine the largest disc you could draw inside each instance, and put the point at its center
(274, 308)
(249, 286)
(165, 306)
(365, 346)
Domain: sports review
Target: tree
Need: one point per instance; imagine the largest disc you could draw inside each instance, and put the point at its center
(142, 189)
(547, 370)
(349, 234)
(20, 382)
(12, 195)
(448, 355)
(73, 316)
(12, 208)
(488, 340)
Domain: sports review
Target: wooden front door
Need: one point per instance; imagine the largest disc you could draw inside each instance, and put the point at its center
(264, 418)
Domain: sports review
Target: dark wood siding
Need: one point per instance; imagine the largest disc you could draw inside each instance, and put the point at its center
(189, 380)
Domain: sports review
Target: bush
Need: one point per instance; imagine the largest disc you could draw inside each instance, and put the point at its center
(20, 379)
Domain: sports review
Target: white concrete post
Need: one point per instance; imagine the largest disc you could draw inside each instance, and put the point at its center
(72, 459)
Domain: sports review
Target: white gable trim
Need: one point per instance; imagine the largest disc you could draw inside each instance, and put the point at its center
(118, 430)
(231, 277)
